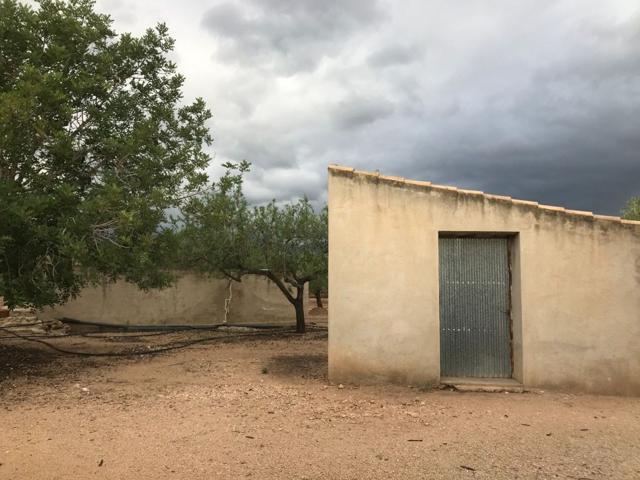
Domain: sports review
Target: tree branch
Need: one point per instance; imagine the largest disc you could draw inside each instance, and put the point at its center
(232, 277)
(270, 275)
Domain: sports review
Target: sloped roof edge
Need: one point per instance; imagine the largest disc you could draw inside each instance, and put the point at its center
(400, 181)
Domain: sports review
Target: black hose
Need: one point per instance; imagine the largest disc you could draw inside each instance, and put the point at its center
(135, 334)
(118, 334)
(156, 327)
(163, 348)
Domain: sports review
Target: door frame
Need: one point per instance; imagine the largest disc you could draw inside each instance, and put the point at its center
(514, 294)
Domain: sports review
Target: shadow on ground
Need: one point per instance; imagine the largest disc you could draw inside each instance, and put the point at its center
(298, 366)
(33, 361)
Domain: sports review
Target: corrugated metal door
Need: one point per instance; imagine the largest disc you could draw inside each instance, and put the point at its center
(475, 339)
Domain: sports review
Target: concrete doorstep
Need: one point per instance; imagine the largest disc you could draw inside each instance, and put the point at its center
(483, 384)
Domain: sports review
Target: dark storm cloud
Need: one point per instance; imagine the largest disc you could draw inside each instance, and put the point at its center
(592, 165)
(559, 127)
(571, 138)
(537, 99)
(357, 112)
(293, 34)
(595, 172)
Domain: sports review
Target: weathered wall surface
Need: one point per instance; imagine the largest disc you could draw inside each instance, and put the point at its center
(575, 288)
(193, 299)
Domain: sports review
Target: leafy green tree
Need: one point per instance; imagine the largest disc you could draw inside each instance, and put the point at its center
(287, 244)
(631, 211)
(95, 146)
(213, 228)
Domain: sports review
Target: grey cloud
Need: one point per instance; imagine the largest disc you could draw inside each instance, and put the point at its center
(393, 55)
(290, 184)
(588, 161)
(606, 52)
(357, 112)
(537, 100)
(126, 13)
(227, 20)
(265, 152)
(594, 183)
(290, 35)
(562, 131)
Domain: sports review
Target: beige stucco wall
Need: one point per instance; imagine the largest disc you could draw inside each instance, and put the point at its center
(575, 289)
(193, 299)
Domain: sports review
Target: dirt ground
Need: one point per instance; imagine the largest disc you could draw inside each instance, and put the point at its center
(262, 408)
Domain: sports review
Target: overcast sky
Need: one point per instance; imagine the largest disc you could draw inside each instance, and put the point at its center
(535, 99)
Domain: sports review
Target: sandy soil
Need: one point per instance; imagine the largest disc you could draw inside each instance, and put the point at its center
(262, 408)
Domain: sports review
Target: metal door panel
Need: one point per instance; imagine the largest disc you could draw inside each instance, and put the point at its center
(475, 338)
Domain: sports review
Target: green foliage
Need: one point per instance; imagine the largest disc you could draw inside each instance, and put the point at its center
(631, 211)
(223, 235)
(213, 227)
(290, 241)
(95, 146)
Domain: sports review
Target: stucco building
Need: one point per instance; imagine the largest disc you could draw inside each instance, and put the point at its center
(429, 282)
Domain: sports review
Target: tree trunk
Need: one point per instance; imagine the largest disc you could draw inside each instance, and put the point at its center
(299, 306)
(319, 300)
(297, 301)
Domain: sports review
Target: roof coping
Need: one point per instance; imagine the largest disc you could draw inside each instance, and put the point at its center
(431, 186)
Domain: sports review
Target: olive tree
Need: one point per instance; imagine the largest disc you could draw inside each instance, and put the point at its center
(223, 235)
(96, 144)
